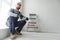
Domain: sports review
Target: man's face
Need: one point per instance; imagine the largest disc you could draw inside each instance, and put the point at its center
(18, 6)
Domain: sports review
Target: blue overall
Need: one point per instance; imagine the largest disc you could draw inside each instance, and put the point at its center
(13, 22)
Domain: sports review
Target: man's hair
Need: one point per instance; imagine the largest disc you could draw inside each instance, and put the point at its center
(19, 3)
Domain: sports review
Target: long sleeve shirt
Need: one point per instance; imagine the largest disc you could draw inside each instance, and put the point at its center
(16, 13)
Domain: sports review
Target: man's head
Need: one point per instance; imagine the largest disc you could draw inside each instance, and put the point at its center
(18, 5)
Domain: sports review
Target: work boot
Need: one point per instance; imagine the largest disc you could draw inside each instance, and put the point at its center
(12, 36)
(18, 33)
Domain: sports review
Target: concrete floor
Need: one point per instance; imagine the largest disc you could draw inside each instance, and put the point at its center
(37, 36)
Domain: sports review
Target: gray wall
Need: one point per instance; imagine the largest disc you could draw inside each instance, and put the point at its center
(48, 12)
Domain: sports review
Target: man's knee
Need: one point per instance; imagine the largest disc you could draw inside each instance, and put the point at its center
(22, 22)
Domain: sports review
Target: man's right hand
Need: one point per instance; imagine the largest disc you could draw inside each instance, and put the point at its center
(27, 18)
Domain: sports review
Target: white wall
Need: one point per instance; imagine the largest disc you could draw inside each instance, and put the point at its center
(48, 12)
(0, 5)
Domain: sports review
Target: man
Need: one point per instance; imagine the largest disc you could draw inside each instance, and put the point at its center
(12, 21)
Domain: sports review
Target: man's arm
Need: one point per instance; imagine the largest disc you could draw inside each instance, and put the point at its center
(11, 13)
(23, 17)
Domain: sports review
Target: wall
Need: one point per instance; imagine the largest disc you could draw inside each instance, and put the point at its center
(48, 12)
(4, 32)
(0, 5)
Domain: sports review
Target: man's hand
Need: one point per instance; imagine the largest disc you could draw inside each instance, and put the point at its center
(27, 18)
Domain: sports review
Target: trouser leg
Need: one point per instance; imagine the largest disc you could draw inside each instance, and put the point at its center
(11, 27)
(20, 25)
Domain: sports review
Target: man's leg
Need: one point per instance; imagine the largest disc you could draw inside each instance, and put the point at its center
(12, 29)
(20, 25)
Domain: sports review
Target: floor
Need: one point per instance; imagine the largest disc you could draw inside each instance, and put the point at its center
(37, 36)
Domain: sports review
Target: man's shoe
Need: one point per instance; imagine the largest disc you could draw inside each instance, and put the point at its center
(18, 33)
(12, 36)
